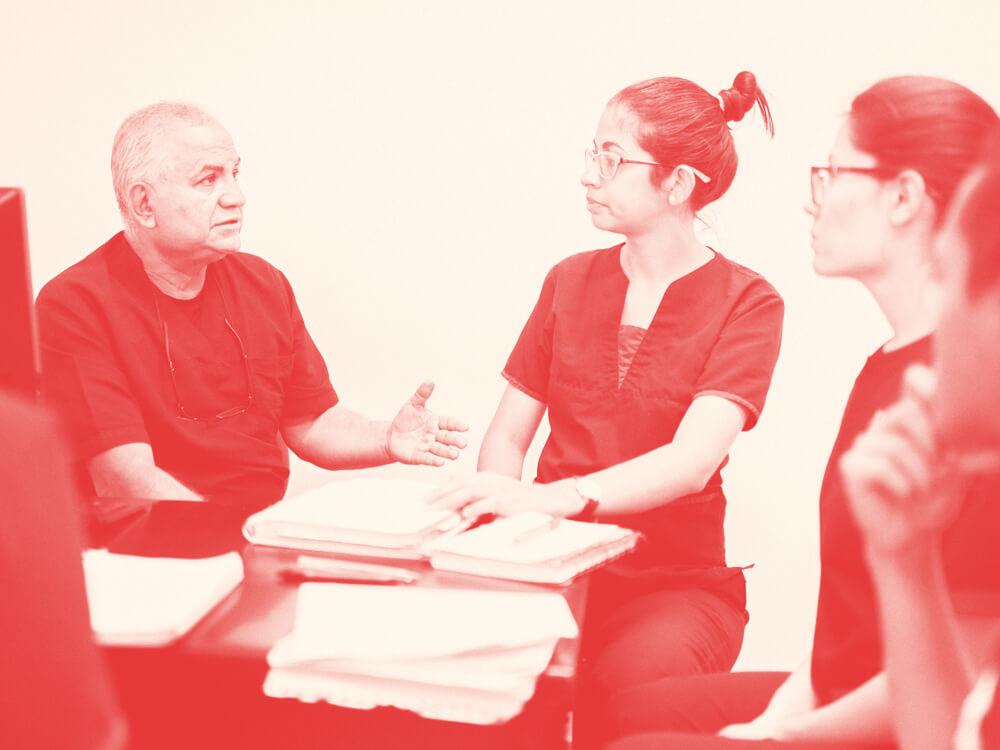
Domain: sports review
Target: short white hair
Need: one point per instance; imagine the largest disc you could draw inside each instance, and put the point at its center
(134, 152)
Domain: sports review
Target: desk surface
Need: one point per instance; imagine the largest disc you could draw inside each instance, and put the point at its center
(206, 689)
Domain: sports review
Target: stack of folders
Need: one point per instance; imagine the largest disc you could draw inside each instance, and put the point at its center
(533, 547)
(451, 654)
(369, 517)
(153, 601)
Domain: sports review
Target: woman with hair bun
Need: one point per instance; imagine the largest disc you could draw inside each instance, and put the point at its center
(650, 357)
(899, 157)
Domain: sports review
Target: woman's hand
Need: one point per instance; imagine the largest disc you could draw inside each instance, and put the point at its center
(901, 490)
(488, 492)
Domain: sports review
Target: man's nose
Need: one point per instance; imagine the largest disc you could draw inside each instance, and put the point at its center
(233, 196)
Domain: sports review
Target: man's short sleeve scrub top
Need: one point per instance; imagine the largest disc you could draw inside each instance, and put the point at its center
(105, 369)
(717, 331)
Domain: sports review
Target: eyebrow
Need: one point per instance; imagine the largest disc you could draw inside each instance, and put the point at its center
(608, 144)
(207, 168)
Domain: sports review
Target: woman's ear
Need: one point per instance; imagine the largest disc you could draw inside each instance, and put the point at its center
(909, 198)
(679, 185)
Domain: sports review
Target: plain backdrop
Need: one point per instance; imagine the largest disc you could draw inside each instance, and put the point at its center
(413, 167)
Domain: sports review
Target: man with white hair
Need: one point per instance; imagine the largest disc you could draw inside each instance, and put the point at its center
(182, 367)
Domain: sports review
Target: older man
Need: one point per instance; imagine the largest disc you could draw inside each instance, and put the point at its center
(181, 366)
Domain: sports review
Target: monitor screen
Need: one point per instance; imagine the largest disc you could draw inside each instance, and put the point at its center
(18, 352)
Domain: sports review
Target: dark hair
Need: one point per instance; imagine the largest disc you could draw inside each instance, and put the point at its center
(977, 219)
(679, 122)
(934, 126)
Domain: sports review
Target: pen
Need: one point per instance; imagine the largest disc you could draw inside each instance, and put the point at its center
(536, 531)
(309, 568)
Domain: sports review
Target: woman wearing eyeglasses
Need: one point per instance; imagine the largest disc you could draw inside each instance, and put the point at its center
(650, 357)
(904, 148)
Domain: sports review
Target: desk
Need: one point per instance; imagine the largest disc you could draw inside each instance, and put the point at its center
(205, 690)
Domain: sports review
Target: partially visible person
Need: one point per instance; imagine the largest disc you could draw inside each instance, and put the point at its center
(54, 689)
(903, 150)
(908, 477)
(650, 357)
(181, 367)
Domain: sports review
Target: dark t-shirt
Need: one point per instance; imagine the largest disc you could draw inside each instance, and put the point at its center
(54, 689)
(847, 645)
(717, 331)
(106, 372)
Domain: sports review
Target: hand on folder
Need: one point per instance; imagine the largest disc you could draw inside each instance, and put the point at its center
(489, 492)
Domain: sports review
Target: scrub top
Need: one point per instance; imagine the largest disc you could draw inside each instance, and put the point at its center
(847, 643)
(717, 332)
(105, 331)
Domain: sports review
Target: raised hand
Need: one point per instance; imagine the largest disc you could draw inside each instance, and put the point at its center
(900, 486)
(419, 436)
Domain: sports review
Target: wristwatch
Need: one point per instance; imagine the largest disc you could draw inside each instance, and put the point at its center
(590, 491)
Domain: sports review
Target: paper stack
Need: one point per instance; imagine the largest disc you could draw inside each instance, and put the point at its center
(451, 654)
(367, 517)
(153, 601)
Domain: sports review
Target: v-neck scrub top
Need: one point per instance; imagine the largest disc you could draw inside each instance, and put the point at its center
(717, 332)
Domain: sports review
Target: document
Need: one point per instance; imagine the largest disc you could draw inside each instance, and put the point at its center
(373, 516)
(454, 654)
(153, 601)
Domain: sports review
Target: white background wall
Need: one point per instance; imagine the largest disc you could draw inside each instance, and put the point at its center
(413, 168)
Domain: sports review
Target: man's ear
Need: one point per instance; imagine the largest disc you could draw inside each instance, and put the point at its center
(909, 197)
(140, 207)
(679, 185)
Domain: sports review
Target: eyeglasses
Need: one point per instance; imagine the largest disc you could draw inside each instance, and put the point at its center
(227, 413)
(608, 163)
(819, 177)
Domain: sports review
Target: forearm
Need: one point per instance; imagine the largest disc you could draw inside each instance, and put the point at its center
(129, 471)
(650, 480)
(929, 674)
(862, 715)
(340, 439)
(501, 455)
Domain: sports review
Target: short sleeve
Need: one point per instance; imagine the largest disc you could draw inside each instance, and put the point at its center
(742, 359)
(527, 367)
(308, 390)
(80, 378)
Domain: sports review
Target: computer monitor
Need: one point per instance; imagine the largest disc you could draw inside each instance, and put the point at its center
(18, 350)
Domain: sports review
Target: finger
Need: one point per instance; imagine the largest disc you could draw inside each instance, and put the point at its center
(444, 451)
(423, 392)
(920, 382)
(458, 497)
(451, 423)
(452, 484)
(480, 508)
(886, 456)
(912, 419)
(449, 438)
(425, 458)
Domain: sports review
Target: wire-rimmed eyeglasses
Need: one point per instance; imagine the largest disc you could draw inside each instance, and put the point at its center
(226, 413)
(608, 162)
(819, 177)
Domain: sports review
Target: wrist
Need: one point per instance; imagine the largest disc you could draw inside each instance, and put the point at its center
(917, 554)
(385, 449)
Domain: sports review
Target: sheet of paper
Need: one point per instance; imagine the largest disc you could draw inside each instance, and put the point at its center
(383, 623)
(153, 600)
(378, 505)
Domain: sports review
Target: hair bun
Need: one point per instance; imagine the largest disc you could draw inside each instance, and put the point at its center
(741, 97)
